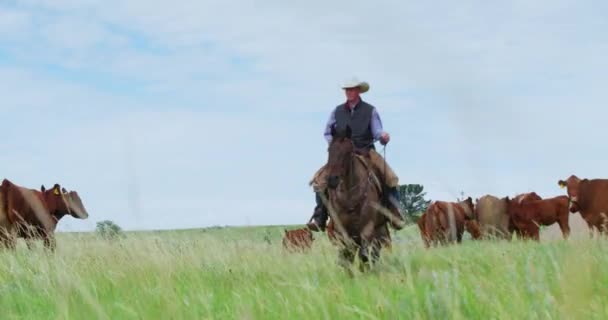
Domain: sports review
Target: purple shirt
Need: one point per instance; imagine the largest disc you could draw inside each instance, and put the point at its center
(376, 125)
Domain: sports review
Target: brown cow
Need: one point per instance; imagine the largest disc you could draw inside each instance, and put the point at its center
(528, 216)
(589, 197)
(298, 239)
(494, 220)
(491, 213)
(33, 214)
(522, 198)
(445, 222)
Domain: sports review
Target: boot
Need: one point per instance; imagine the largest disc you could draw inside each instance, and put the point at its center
(319, 217)
(393, 204)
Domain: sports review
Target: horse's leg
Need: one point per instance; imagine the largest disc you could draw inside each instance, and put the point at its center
(346, 257)
(7, 239)
(364, 257)
(29, 241)
(49, 241)
(376, 248)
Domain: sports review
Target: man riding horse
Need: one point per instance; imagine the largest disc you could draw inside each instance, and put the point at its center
(366, 125)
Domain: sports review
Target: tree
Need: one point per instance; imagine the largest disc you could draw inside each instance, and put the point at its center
(109, 230)
(412, 201)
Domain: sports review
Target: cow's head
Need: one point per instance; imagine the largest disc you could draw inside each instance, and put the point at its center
(55, 201)
(469, 208)
(571, 185)
(61, 202)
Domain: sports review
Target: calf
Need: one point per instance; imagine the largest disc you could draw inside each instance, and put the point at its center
(445, 222)
(528, 216)
(298, 240)
(589, 197)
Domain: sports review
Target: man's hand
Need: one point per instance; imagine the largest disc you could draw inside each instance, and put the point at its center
(385, 138)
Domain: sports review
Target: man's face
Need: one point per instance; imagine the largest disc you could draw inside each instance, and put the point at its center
(352, 94)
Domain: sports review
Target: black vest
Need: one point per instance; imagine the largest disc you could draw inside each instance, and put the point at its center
(359, 121)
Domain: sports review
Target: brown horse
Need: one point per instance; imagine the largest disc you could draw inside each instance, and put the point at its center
(353, 203)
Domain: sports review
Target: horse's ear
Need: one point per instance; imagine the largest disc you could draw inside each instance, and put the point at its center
(349, 132)
(42, 189)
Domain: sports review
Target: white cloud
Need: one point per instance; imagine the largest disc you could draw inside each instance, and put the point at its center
(478, 97)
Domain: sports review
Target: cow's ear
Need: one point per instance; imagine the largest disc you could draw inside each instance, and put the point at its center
(42, 189)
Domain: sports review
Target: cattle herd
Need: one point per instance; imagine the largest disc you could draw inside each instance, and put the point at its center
(33, 214)
(492, 217)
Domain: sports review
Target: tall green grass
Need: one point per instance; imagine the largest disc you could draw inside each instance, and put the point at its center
(243, 273)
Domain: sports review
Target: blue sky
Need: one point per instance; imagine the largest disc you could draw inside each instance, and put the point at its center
(211, 113)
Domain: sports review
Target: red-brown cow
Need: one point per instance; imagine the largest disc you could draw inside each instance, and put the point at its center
(445, 222)
(522, 198)
(33, 214)
(528, 216)
(298, 239)
(589, 197)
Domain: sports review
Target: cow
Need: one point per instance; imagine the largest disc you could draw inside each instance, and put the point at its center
(33, 214)
(445, 222)
(491, 213)
(494, 220)
(528, 216)
(522, 198)
(385, 237)
(589, 197)
(298, 239)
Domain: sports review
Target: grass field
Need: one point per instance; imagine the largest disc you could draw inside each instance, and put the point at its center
(243, 273)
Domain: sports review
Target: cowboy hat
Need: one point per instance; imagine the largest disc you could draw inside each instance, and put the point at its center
(355, 83)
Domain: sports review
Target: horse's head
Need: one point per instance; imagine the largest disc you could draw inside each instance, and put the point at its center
(341, 151)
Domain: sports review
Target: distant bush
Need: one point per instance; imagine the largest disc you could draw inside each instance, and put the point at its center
(109, 230)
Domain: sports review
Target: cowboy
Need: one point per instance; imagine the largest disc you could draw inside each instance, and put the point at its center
(366, 126)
